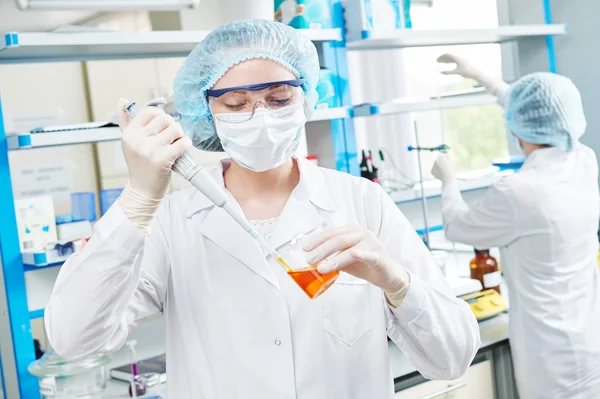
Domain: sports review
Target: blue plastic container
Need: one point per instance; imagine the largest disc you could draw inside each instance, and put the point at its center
(304, 14)
(108, 197)
(387, 14)
(83, 206)
(511, 162)
(66, 218)
(326, 89)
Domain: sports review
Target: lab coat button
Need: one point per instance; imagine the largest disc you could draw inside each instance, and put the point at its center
(277, 342)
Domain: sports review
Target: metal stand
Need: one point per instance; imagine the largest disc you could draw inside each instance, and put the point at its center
(423, 196)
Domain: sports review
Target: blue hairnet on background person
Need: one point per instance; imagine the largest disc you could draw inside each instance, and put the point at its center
(545, 108)
(540, 108)
(544, 218)
(237, 324)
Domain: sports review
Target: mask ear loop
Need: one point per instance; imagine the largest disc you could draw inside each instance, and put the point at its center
(303, 95)
(211, 101)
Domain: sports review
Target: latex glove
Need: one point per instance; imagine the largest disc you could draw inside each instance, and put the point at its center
(151, 143)
(443, 169)
(359, 253)
(467, 70)
(463, 67)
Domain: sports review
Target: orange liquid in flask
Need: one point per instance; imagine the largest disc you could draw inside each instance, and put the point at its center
(310, 280)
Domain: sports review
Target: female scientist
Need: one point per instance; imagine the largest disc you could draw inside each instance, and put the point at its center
(544, 218)
(237, 325)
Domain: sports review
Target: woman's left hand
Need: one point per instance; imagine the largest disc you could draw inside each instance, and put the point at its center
(359, 253)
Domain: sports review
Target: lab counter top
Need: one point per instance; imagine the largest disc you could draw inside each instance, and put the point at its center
(494, 331)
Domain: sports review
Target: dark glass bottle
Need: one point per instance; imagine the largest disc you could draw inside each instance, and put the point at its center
(374, 176)
(364, 167)
(485, 269)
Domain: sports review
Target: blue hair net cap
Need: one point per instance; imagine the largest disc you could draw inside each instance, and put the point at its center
(545, 108)
(227, 46)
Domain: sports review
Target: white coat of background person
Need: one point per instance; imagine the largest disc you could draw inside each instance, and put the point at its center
(544, 219)
(237, 325)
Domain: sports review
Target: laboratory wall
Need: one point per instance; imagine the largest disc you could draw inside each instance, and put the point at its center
(35, 95)
(379, 76)
(45, 94)
(577, 53)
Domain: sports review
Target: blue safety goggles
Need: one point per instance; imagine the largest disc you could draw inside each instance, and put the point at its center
(255, 87)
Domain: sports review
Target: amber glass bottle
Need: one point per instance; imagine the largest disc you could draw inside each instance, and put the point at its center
(485, 269)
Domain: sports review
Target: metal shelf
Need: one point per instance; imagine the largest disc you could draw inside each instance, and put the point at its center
(323, 35)
(404, 105)
(433, 188)
(30, 268)
(42, 259)
(83, 136)
(36, 314)
(402, 38)
(83, 46)
(327, 114)
(40, 140)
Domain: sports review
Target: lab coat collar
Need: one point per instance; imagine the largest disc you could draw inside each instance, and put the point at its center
(300, 215)
(224, 232)
(311, 187)
(543, 156)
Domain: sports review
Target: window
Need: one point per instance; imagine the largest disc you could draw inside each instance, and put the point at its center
(476, 134)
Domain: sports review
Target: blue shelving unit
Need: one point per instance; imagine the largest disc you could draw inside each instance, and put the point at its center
(15, 328)
(16, 334)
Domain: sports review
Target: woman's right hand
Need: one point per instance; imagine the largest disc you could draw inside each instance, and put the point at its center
(465, 69)
(151, 143)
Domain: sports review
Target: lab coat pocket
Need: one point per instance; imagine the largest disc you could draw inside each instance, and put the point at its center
(346, 309)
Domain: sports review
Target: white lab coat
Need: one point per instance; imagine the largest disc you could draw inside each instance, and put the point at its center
(237, 325)
(545, 221)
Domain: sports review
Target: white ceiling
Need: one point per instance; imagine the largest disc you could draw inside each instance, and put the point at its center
(14, 20)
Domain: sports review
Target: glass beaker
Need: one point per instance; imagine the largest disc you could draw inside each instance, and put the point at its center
(293, 258)
(82, 378)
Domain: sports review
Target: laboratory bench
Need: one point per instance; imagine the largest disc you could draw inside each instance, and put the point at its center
(489, 377)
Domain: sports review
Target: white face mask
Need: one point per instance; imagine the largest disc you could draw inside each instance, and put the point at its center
(266, 140)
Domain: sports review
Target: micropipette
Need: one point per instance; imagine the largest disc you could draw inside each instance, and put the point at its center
(197, 175)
